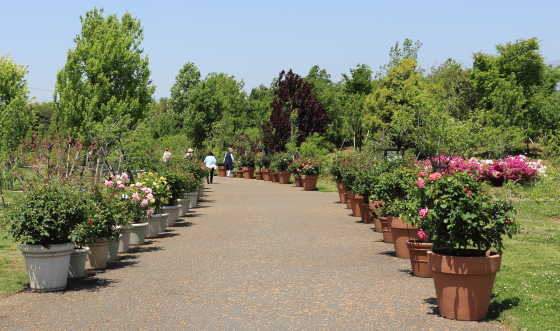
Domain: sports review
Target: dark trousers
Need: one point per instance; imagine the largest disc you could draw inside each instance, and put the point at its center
(210, 177)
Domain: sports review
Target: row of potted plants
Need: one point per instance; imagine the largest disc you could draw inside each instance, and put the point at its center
(66, 224)
(278, 169)
(444, 221)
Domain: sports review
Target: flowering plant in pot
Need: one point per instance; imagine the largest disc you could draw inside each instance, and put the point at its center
(466, 223)
(43, 219)
(310, 167)
(282, 162)
(161, 190)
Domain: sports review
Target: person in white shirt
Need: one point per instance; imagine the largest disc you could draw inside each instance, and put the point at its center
(166, 155)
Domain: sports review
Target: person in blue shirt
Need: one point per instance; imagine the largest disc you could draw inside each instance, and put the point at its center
(210, 162)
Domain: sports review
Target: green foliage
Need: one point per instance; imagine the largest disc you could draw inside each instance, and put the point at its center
(247, 160)
(106, 79)
(45, 214)
(15, 115)
(186, 80)
(314, 146)
(282, 161)
(459, 213)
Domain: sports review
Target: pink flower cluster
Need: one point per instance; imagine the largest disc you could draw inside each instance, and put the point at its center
(519, 167)
(423, 212)
(422, 235)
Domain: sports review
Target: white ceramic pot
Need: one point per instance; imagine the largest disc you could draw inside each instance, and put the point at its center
(173, 212)
(47, 267)
(78, 259)
(153, 225)
(113, 253)
(124, 241)
(185, 205)
(138, 233)
(194, 198)
(163, 223)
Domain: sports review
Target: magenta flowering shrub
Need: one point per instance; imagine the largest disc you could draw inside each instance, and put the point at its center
(518, 168)
(140, 199)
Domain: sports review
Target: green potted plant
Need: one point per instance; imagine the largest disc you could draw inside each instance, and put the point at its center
(281, 165)
(310, 170)
(259, 167)
(43, 219)
(248, 165)
(266, 160)
(295, 168)
(464, 223)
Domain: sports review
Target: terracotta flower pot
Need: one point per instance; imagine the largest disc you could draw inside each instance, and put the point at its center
(309, 182)
(348, 203)
(258, 175)
(248, 172)
(365, 212)
(298, 181)
(274, 177)
(464, 284)
(222, 171)
(354, 201)
(266, 175)
(387, 236)
(374, 205)
(341, 190)
(401, 233)
(418, 251)
(239, 174)
(284, 177)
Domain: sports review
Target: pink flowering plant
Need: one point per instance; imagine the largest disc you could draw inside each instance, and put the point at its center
(310, 167)
(139, 198)
(161, 190)
(517, 168)
(456, 212)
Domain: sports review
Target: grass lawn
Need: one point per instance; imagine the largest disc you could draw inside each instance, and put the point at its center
(527, 289)
(13, 276)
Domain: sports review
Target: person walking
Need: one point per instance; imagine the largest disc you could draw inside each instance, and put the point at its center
(166, 155)
(210, 161)
(228, 160)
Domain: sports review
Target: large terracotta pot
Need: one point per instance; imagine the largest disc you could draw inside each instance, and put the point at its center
(309, 182)
(266, 175)
(341, 190)
(274, 177)
(418, 251)
(387, 236)
(47, 268)
(365, 212)
(222, 171)
(298, 182)
(258, 175)
(284, 177)
(464, 284)
(354, 201)
(248, 172)
(401, 233)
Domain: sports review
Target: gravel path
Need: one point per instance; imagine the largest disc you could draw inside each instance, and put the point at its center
(254, 256)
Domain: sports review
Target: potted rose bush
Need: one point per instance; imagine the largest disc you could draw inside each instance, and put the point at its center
(281, 165)
(465, 223)
(310, 169)
(43, 219)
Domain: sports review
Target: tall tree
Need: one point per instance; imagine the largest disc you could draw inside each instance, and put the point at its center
(296, 113)
(15, 116)
(106, 80)
(217, 94)
(185, 82)
(511, 87)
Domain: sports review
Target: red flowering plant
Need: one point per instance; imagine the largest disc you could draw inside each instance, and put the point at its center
(295, 167)
(456, 212)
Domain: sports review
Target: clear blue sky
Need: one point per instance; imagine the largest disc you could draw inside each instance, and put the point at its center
(255, 40)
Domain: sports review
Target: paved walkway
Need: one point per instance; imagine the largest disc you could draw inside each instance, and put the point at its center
(254, 256)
